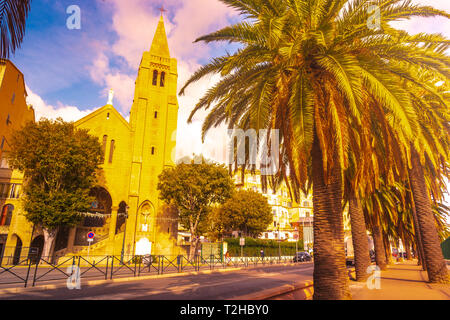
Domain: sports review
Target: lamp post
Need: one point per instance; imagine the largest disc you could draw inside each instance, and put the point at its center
(279, 244)
(124, 234)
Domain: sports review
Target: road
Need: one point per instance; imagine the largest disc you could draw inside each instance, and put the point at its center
(214, 286)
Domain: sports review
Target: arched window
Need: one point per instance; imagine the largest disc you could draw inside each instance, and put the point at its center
(105, 139)
(111, 151)
(155, 77)
(5, 218)
(163, 78)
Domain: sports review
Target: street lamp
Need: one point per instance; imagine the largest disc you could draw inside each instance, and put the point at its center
(124, 234)
(279, 243)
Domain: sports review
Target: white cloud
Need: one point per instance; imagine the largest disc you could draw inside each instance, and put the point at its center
(44, 110)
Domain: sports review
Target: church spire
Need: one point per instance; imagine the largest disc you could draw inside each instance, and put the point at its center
(160, 46)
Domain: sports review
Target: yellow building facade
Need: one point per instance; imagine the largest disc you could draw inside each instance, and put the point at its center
(291, 220)
(14, 114)
(127, 216)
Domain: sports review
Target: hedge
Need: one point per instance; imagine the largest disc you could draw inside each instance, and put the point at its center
(253, 247)
(446, 249)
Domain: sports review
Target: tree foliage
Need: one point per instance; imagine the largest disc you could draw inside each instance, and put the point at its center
(195, 189)
(59, 163)
(246, 211)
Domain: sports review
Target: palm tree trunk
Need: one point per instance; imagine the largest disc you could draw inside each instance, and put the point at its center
(419, 246)
(387, 249)
(433, 257)
(330, 271)
(359, 238)
(407, 245)
(380, 255)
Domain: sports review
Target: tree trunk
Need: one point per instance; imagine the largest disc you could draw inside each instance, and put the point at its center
(49, 239)
(433, 257)
(330, 271)
(359, 238)
(419, 246)
(407, 249)
(380, 254)
(193, 247)
(387, 249)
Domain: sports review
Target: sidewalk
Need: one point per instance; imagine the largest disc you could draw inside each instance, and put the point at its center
(402, 281)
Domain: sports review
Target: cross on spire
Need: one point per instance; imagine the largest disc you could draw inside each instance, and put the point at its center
(162, 9)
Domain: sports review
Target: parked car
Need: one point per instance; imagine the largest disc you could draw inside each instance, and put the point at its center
(302, 257)
(372, 256)
(350, 261)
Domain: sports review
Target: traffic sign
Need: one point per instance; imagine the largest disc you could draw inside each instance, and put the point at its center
(91, 235)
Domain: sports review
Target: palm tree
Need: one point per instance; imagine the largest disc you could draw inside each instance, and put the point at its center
(312, 70)
(359, 238)
(13, 15)
(430, 157)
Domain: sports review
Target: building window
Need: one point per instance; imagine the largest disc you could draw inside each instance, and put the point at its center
(12, 193)
(307, 214)
(305, 203)
(153, 150)
(111, 151)
(4, 162)
(155, 77)
(8, 120)
(105, 139)
(13, 98)
(162, 80)
(5, 218)
(2, 144)
(156, 114)
(107, 116)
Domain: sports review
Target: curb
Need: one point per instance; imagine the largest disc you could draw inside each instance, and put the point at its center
(305, 286)
(138, 278)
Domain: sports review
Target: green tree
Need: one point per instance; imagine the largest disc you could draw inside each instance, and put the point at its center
(314, 70)
(13, 15)
(195, 189)
(246, 211)
(59, 163)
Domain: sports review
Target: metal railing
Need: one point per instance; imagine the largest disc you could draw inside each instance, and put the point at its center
(31, 270)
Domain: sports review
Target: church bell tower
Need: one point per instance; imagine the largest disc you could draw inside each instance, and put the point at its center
(153, 120)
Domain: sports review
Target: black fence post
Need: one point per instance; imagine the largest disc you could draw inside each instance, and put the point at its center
(106, 271)
(28, 271)
(35, 271)
(112, 268)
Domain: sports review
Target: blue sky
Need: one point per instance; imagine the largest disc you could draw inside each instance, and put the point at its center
(69, 72)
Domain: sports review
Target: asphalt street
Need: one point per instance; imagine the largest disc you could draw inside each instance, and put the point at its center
(213, 286)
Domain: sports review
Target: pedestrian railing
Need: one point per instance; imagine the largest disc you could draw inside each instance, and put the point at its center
(29, 272)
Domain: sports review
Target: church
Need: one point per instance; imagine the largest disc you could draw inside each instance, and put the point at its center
(127, 217)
